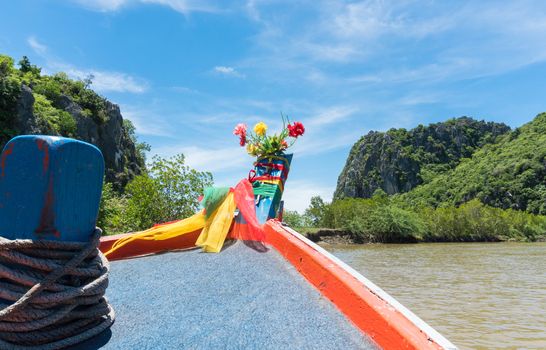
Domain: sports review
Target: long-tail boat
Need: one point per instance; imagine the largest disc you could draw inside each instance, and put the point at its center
(277, 291)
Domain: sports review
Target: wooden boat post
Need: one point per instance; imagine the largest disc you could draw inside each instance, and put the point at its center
(50, 188)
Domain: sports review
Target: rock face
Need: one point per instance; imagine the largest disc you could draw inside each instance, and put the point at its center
(398, 160)
(118, 148)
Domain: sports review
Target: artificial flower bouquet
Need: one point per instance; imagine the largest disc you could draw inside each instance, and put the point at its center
(259, 144)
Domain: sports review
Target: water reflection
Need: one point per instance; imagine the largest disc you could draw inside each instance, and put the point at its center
(478, 295)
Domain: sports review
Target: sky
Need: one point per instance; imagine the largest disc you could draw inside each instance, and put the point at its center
(186, 72)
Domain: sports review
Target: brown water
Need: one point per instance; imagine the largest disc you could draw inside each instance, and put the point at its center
(478, 295)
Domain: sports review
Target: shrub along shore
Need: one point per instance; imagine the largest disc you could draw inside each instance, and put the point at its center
(383, 219)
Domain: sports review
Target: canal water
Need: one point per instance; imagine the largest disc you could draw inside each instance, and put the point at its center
(478, 295)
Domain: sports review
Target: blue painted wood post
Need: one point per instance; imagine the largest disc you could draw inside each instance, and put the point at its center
(50, 188)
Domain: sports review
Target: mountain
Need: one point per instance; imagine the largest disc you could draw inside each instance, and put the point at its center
(510, 173)
(32, 103)
(399, 160)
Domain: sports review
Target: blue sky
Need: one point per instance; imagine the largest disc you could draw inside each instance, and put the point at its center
(185, 72)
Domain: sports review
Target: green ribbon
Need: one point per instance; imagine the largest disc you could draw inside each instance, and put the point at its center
(265, 189)
(212, 198)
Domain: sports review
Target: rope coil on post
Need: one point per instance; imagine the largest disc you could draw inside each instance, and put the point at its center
(52, 293)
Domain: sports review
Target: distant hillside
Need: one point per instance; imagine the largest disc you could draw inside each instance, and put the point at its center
(31, 103)
(508, 174)
(398, 160)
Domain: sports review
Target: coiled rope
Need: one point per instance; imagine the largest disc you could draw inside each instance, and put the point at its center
(52, 293)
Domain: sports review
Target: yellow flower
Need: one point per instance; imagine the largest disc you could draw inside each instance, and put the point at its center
(250, 148)
(260, 128)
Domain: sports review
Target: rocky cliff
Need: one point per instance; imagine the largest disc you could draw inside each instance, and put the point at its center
(122, 162)
(31, 103)
(509, 174)
(398, 160)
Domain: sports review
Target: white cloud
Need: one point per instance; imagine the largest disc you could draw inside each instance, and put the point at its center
(103, 5)
(330, 115)
(103, 81)
(372, 19)
(313, 144)
(207, 159)
(38, 47)
(183, 6)
(297, 194)
(108, 81)
(184, 90)
(147, 122)
(440, 42)
(228, 71)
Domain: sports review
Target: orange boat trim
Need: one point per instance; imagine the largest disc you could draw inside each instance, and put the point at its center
(376, 313)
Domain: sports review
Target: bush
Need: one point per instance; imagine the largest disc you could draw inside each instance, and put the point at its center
(474, 221)
(112, 218)
(374, 220)
(296, 220)
(387, 224)
(383, 219)
(168, 192)
(52, 119)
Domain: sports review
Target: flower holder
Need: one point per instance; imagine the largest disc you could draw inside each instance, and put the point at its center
(268, 179)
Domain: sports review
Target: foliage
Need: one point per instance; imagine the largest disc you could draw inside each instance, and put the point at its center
(168, 192)
(141, 147)
(52, 119)
(315, 211)
(398, 160)
(26, 67)
(10, 89)
(49, 92)
(111, 218)
(294, 219)
(384, 219)
(509, 174)
(59, 85)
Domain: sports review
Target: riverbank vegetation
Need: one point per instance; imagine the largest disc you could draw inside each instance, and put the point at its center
(456, 181)
(384, 219)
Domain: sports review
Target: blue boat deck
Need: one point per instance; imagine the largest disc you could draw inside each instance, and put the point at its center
(237, 299)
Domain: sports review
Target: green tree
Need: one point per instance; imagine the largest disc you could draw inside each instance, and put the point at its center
(112, 218)
(169, 191)
(316, 211)
(141, 147)
(294, 219)
(10, 89)
(27, 67)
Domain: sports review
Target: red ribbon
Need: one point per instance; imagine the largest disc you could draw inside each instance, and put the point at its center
(252, 175)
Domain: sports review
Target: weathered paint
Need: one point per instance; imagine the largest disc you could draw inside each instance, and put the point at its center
(8, 150)
(43, 146)
(46, 225)
(50, 188)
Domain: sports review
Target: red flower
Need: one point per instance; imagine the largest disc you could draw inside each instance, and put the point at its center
(295, 130)
(240, 129)
(284, 144)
